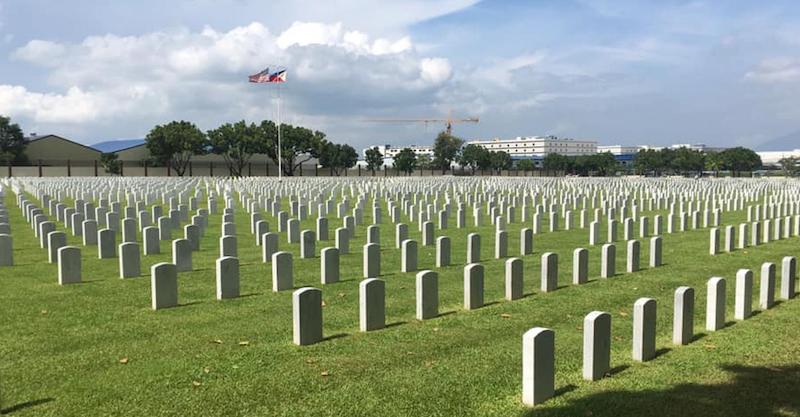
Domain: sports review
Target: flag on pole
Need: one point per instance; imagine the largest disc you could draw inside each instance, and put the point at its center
(265, 76)
(278, 76)
(261, 77)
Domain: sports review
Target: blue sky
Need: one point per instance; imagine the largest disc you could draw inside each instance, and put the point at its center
(620, 72)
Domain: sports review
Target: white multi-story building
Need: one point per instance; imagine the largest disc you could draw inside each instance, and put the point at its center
(620, 149)
(772, 157)
(389, 151)
(538, 146)
(702, 147)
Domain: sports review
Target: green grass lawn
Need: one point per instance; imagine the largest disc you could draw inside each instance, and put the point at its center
(62, 348)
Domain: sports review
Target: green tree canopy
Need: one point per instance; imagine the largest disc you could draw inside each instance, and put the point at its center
(500, 160)
(337, 156)
(298, 145)
(556, 162)
(526, 165)
(175, 143)
(111, 163)
(425, 162)
(688, 160)
(683, 160)
(740, 159)
(472, 155)
(592, 164)
(374, 158)
(445, 150)
(237, 143)
(12, 141)
(714, 162)
(405, 161)
(790, 166)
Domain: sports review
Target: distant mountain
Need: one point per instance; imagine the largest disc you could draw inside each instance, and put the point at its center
(117, 145)
(788, 142)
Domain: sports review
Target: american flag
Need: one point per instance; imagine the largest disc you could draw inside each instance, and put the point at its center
(268, 77)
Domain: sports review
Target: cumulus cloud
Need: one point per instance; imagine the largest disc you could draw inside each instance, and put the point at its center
(73, 106)
(310, 33)
(435, 70)
(180, 74)
(42, 52)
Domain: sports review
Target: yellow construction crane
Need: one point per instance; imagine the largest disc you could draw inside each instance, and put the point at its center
(449, 121)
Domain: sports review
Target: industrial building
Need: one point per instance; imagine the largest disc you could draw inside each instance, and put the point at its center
(389, 152)
(536, 147)
(54, 149)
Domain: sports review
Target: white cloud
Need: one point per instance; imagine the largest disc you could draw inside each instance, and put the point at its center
(310, 33)
(314, 33)
(435, 70)
(126, 84)
(45, 53)
(73, 107)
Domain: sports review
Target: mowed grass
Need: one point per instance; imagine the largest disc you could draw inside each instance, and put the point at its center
(61, 347)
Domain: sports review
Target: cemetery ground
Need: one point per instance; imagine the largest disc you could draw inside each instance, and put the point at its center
(97, 348)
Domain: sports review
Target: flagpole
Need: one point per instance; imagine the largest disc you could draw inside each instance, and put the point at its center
(280, 161)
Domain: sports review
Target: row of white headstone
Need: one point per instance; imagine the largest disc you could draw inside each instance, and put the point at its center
(538, 344)
(759, 232)
(6, 242)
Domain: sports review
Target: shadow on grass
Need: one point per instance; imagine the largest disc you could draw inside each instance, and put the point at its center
(617, 369)
(565, 389)
(335, 336)
(395, 324)
(190, 303)
(22, 406)
(752, 391)
(252, 294)
(661, 352)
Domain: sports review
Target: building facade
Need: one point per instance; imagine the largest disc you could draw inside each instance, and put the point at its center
(773, 157)
(536, 147)
(53, 149)
(389, 152)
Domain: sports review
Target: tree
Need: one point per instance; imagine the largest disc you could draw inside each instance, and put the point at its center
(237, 143)
(405, 161)
(605, 163)
(501, 160)
(337, 156)
(111, 163)
(298, 145)
(556, 162)
(654, 161)
(12, 141)
(688, 160)
(374, 159)
(740, 159)
(175, 143)
(790, 165)
(714, 162)
(472, 155)
(425, 162)
(445, 150)
(526, 165)
(485, 159)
